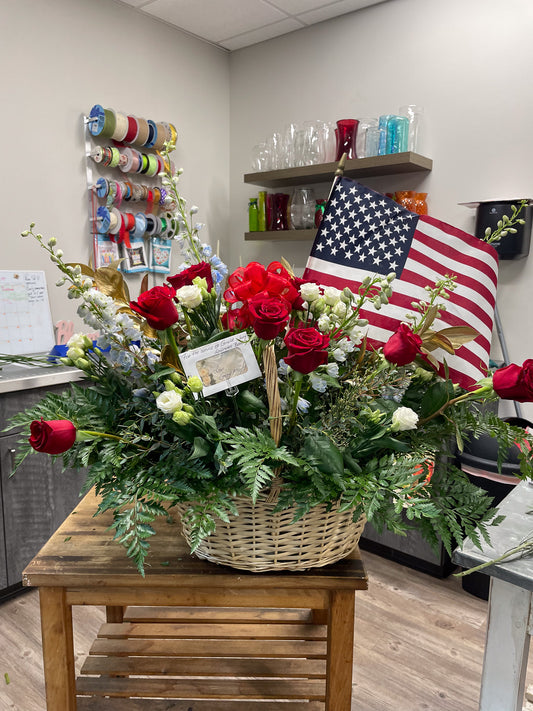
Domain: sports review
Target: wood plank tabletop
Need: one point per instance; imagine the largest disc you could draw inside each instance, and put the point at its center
(83, 554)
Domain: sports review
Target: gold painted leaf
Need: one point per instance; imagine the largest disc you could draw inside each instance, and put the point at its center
(429, 318)
(111, 282)
(458, 335)
(144, 284)
(438, 341)
(168, 357)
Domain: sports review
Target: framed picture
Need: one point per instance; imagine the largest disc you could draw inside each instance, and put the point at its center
(222, 364)
(105, 251)
(160, 250)
(134, 257)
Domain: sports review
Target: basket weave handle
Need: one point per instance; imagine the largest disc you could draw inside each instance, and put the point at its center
(274, 404)
(274, 411)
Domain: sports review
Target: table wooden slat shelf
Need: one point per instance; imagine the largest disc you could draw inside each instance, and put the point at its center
(191, 635)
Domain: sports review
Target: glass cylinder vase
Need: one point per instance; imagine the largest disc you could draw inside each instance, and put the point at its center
(346, 133)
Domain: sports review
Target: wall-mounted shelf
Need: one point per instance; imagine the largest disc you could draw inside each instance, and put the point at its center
(280, 235)
(391, 164)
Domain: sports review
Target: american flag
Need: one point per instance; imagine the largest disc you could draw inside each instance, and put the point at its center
(363, 232)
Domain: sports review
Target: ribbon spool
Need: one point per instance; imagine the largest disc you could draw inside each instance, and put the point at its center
(172, 132)
(102, 187)
(163, 136)
(151, 225)
(133, 130)
(126, 161)
(103, 220)
(101, 121)
(140, 224)
(115, 221)
(98, 154)
(152, 134)
(121, 127)
(152, 166)
(145, 164)
(143, 133)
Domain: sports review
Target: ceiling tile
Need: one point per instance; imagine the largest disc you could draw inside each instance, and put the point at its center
(209, 20)
(261, 34)
(326, 12)
(136, 3)
(293, 7)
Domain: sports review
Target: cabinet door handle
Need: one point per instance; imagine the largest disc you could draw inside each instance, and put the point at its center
(12, 453)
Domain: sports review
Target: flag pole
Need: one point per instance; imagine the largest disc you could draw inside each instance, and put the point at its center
(338, 173)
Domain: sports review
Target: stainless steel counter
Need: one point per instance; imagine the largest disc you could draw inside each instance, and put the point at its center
(14, 377)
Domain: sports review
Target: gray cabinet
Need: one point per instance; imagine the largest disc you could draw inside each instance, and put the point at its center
(36, 500)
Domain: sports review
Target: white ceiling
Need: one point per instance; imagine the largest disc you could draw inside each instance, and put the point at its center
(233, 24)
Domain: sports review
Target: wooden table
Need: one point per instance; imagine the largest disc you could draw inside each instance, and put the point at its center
(510, 604)
(191, 635)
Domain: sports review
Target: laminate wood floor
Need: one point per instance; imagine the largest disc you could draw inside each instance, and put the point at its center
(419, 644)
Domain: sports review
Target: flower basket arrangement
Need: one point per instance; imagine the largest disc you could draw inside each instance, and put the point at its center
(252, 405)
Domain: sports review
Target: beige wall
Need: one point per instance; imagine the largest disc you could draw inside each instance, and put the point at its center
(58, 59)
(467, 63)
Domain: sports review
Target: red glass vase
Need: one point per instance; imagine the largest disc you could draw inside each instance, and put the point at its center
(345, 134)
(280, 204)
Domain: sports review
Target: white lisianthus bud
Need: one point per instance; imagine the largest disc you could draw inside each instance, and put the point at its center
(169, 402)
(404, 419)
(75, 353)
(80, 340)
(189, 296)
(331, 295)
(195, 384)
(309, 291)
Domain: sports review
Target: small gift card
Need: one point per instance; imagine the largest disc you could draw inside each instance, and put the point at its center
(222, 364)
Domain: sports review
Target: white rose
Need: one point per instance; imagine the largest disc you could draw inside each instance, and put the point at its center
(189, 296)
(331, 295)
(339, 309)
(309, 291)
(404, 419)
(169, 401)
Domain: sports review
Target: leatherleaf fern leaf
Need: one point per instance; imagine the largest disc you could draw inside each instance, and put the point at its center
(255, 454)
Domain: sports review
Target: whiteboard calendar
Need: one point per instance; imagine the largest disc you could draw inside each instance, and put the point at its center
(25, 318)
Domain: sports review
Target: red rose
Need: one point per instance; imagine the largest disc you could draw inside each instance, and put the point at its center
(184, 278)
(307, 349)
(403, 346)
(515, 382)
(270, 314)
(157, 307)
(52, 436)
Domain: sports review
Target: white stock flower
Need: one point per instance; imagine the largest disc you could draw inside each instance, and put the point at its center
(324, 324)
(331, 295)
(317, 383)
(356, 335)
(404, 419)
(332, 369)
(309, 291)
(339, 355)
(345, 345)
(189, 296)
(169, 401)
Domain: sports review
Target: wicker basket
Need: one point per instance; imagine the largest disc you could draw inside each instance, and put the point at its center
(259, 540)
